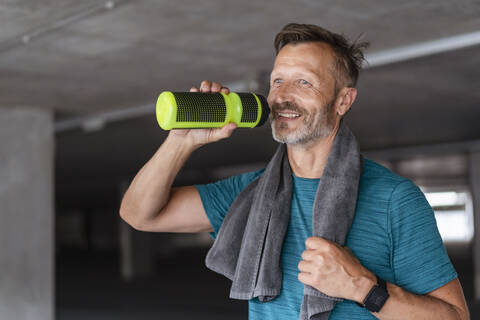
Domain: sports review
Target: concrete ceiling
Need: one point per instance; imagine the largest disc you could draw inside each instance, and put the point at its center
(83, 57)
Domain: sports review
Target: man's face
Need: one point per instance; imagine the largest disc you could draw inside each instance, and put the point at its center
(302, 93)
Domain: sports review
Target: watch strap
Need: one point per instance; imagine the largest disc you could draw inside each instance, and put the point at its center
(376, 297)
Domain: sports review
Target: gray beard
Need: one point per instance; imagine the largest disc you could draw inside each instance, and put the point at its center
(317, 125)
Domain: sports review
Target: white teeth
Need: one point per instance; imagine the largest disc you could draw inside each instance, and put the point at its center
(289, 115)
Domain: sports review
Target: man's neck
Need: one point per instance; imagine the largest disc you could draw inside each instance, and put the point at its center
(308, 161)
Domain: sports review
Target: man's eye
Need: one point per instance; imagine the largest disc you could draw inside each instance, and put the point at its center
(304, 82)
(277, 81)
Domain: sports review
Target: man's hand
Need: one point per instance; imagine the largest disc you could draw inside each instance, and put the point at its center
(199, 137)
(334, 270)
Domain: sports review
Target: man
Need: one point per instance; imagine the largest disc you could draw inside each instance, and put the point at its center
(393, 235)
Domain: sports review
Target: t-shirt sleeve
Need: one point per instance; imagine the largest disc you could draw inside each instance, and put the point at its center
(420, 261)
(217, 197)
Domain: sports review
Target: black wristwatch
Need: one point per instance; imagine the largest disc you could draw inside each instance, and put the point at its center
(377, 297)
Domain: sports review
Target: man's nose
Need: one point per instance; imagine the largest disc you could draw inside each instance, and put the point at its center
(283, 93)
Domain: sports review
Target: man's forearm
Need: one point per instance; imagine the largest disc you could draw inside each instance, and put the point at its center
(405, 305)
(335, 271)
(150, 190)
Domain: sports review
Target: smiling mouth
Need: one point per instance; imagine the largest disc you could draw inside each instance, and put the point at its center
(288, 115)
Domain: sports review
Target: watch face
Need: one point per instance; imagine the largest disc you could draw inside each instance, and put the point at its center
(376, 299)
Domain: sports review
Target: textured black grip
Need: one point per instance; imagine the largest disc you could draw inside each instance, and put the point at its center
(249, 107)
(265, 110)
(200, 107)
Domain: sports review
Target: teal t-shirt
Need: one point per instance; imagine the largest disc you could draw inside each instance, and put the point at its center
(393, 234)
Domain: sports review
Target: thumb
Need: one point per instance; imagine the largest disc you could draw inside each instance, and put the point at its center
(227, 130)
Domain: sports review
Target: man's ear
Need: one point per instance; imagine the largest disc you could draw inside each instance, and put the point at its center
(345, 99)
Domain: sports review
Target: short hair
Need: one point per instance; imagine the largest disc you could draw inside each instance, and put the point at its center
(348, 57)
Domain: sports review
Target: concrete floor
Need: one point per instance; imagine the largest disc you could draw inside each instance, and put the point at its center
(89, 287)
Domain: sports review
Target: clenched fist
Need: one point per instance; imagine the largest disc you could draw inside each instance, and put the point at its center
(334, 270)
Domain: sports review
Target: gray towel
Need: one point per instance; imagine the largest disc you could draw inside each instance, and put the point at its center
(249, 243)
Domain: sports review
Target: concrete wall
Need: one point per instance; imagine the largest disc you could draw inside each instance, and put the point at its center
(26, 214)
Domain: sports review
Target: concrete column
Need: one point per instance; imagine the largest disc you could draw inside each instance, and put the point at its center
(136, 249)
(26, 214)
(136, 252)
(475, 186)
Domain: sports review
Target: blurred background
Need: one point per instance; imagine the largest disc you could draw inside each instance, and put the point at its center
(78, 86)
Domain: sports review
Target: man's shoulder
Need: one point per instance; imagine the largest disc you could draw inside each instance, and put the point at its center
(380, 180)
(218, 196)
(375, 170)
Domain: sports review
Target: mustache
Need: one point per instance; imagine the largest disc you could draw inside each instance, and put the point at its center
(290, 106)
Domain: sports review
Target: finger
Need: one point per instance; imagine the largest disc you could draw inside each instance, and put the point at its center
(227, 130)
(222, 133)
(205, 86)
(306, 266)
(225, 90)
(314, 258)
(316, 243)
(194, 89)
(305, 278)
(216, 87)
(308, 255)
(312, 242)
